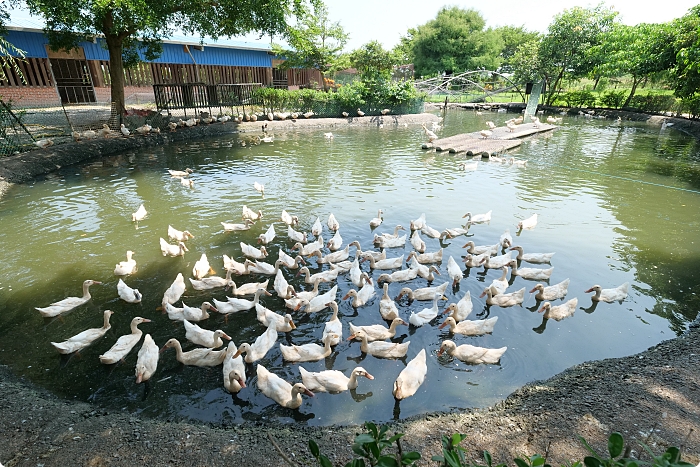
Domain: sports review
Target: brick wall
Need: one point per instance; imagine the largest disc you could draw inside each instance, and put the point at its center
(132, 94)
(30, 96)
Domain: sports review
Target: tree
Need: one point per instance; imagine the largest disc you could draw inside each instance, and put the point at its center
(133, 26)
(512, 38)
(372, 61)
(314, 43)
(455, 41)
(687, 46)
(565, 49)
(637, 51)
(9, 54)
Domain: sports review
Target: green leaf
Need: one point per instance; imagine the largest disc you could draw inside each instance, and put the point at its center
(674, 454)
(374, 449)
(457, 438)
(592, 462)
(519, 462)
(356, 463)
(487, 456)
(393, 439)
(359, 450)
(536, 460)
(615, 444)
(439, 459)
(325, 462)
(387, 461)
(588, 446)
(313, 447)
(364, 438)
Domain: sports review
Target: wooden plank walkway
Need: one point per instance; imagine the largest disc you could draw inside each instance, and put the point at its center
(501, 140)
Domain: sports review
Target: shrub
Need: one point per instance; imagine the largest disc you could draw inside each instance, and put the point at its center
(691, 106)
(578, 99)
(653, 103)
(613, 99)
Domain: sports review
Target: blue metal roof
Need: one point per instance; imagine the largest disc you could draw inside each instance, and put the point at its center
(33, 42)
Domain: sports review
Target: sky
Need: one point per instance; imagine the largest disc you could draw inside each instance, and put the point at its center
(387, 20)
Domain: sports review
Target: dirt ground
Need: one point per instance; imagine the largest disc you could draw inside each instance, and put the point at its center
(652, 397)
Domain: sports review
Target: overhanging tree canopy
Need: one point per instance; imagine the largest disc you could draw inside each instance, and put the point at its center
(132, 25)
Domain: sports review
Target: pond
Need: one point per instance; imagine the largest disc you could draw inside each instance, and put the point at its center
(617, 202)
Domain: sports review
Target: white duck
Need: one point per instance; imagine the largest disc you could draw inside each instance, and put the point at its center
(279, 390)
(234, 305)
(302, 298)
(424, 271)
(417, 242)
(282, 287)
(387, 263)
(452, 233)
(559, 312)
(426, 315)
(336, 256)
(536, 274)
(376, 221)
(332, 381)
(506, 299)
(474, 261)
(234, 266)
(180, 173)
(140, 214)
(230, 227)
(335, 242)
(258, 349)
(430, 134)
(481, 249)
(333, 223)
(306, 250)
(320, 302)
(501, 284)
(252, 252)
(363, 296)
(308, 352)
(259, 187)
(234, 370)
(212, 282)
(128, 294)
(535, 258)
(268, 236)
(124, 268)
(387, 307)
(249, 214)
(389, 242)
(180, 236)
(619, 293)
(399, 276)
(290, 262)
(506, 240)
(462, 309)
(411, 377)
(377, 332)
(295, 236)
(424, 293)
(68, 303)
(333, 326)
(418, 224)
(187, 182)
(497, 262)
(552, 292)
(471, 354)
(430, 232)
(317, 228)
(196, 357)
(288, 218)
(380, 348)
(477, 218)
(189, 313)
(201, 267)
(175, 291)
(283, 323)
(172, 250)
(204, 337)
(454, 271)
(393, 235)
(125, 343)
(147, 360)
(262, 268)
(426, 258)
(470, 327)
(528, 224)
(328, 275)
(85, 338)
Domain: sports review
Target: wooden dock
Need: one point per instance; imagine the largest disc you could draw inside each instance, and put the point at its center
(500, 140)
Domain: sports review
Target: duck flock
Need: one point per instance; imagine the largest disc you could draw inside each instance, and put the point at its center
(332, 259)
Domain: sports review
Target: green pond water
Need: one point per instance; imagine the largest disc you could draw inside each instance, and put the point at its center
(617, 202)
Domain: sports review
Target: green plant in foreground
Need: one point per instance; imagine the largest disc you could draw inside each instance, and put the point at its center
(371, 446)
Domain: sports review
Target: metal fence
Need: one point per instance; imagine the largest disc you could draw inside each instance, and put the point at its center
(197, 96)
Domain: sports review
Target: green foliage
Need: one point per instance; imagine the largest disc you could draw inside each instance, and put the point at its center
(453, 42)
(372, 61)
(691, 106)
(613, 99)
(653, 103)
(578, 99)
(687, 47)
(452, 452)
(512, 38)
(314, 43)
(532, 461)
(371, 446)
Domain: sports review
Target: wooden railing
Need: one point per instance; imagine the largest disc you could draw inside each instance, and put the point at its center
(200, 95)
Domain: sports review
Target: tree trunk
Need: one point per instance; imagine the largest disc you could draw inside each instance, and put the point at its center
(597, 80)
(323, 79)
(553, 90)
(116, 75)
(635, 82)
